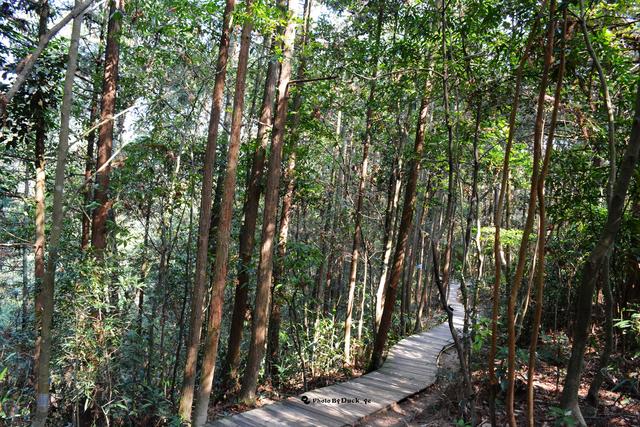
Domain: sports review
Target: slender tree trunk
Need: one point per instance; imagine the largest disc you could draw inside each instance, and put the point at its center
(105, 132)
(144, 269)
(450, 211)
(85, 235)
(247, 232)
(223, 147)
(530, 216)
(603, 362)
(592, 395)
(594, 263)
(421, 287)
(393, 196)
(403, 234)
(155, 296)
(497, 220)
(417, 254)
(273, 344)
(40, 208)
(199, 283)
(357, 233)
(224, 232)
(542, 229)
(365, 261)
(187, 283)
(48, 285)
(265, 266)
(25, 264)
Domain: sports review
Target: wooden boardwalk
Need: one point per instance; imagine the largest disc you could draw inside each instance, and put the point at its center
(410, 367)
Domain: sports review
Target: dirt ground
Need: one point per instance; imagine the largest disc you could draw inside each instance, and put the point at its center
(438, 405)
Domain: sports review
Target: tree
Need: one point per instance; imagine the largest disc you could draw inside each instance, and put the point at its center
(265, 266)
(497, 221)
(224, 230)
(542, 226)
(247, 232)
(48, 283)
(105, 132)
(357, 215)
(592, 265)
(524, 243)
(197, 299)
(403, 233)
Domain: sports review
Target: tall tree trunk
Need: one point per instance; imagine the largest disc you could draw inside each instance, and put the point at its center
(247, 232)
(85, 235)
(223, 147)
(48, 284)
(40, 208)
(265, 266)
(357, 229)
(273, 344)
(393, 195)
(445, 306)
(451, 170)
(224, 231)
(530, 216)
(105, 132)
(25, 262)
(497, 220)
(594, 263)
(199, 283)
(422, 284)
(187, 283)
(592, 395)
(89, 166)
(367, 270)
(542, 226)
(144, 268)
(403, 234)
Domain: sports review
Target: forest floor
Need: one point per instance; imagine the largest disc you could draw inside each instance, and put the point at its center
(438, 405)
(619, 398)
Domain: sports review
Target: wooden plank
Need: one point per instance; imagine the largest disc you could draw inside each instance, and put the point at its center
(253, 418)
(224, 422)
(411, 366)
(341, 391)
(378, 396)
(325, 415)
(412, 375)
(424, 354)
(396, 380)
(406, 389)
(424, 342)
(285, 416)
(241, 420)
(439, 338)
(407, 368)
(413, 362)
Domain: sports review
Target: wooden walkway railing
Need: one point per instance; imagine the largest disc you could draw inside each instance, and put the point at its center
(410, 367)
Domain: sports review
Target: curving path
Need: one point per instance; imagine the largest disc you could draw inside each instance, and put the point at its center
(410, 367)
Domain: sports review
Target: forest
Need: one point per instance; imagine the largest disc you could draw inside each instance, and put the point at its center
(209, 207)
